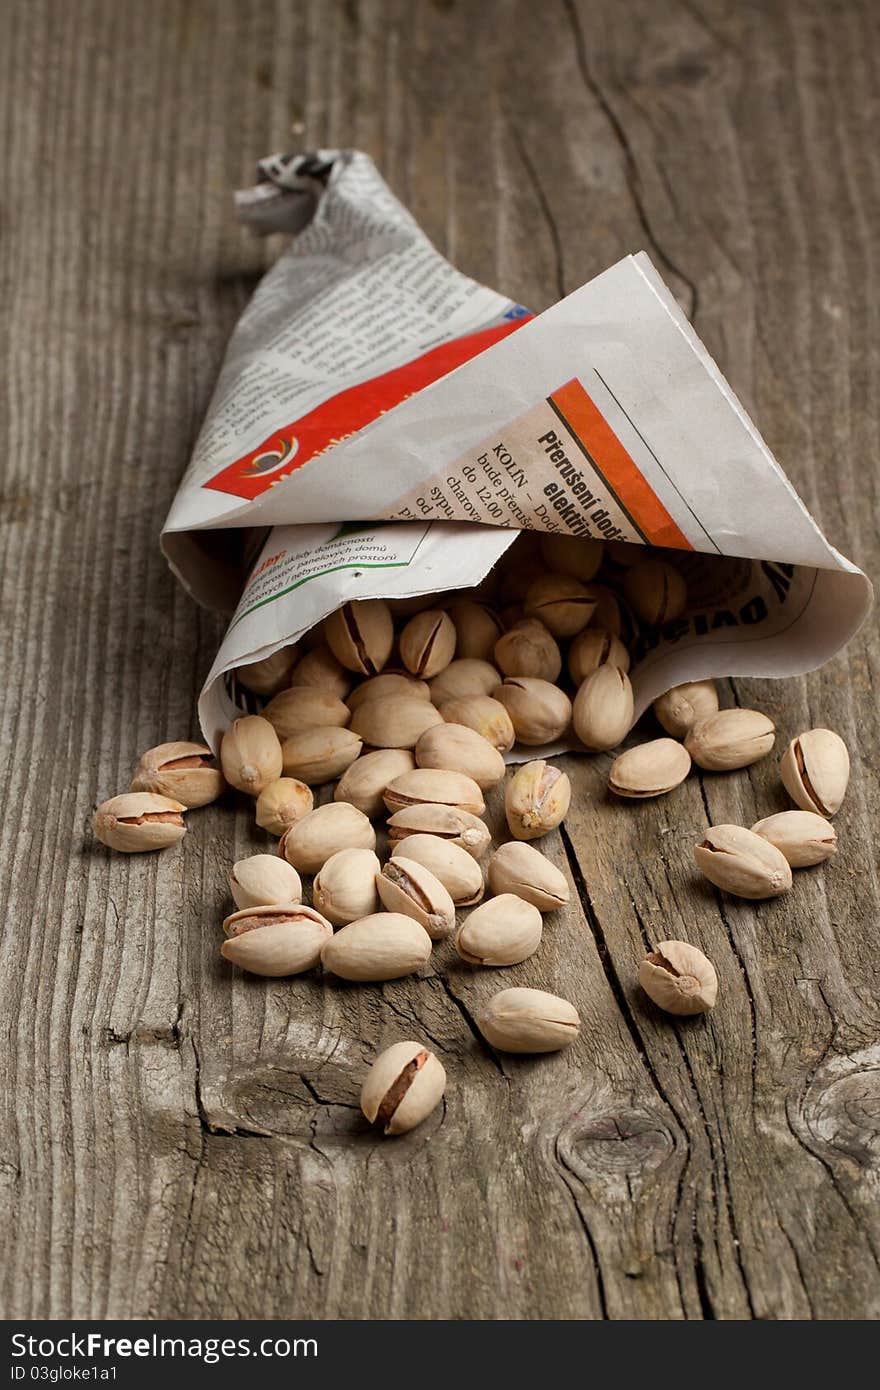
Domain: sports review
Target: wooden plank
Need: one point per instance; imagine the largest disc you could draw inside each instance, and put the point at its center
(180, 1142)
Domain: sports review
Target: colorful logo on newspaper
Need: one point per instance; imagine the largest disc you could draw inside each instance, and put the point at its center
(344, 414)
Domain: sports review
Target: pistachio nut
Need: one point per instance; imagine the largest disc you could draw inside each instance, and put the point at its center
(815, 771)
(610, 614)
(310, 843)
(603, 709)
(436, 785)
(595, 647)
(186, 772)
(563, 604)
(405, 885)
(741, 862)
(345, 887)
(282, 803)
(262, 879)
(250, 754)
(396, 722)
(485, 716)
(467, 675)
(536, 799)
(502, 931)
(519, 868)
(427, 643)
(456, 748)
(277, 939)
(650, 769)
(573, 556)
(270, 675)
(511, 616)
(139, 821)
(730, 738)
(528, 1020)
(478, 627)
(320, 670)
(655, 590)
(539, 711)
(305, 707)
(455, 868)
(404, 1084)
(321, 754)
(684, 706)
(624, 554)
(802, 836)
(386, 684)
(360, 635)
(449, 823)
(528, 649)
(383, 946)
(679, 978)
(363, 783)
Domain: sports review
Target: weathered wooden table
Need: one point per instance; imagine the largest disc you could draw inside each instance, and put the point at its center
(180, 1141)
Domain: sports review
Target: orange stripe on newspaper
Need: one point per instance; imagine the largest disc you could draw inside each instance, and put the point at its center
(589, 426)
(347, 412)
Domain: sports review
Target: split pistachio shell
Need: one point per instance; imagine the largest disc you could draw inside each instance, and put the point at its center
(462, 678)
(529, 1020)
(684, 706)
(427, 643)
(262, 879)
(539, 711)
(603, 709)
(815, 771)
(679, 978)
(802, 836)
(570, 555)
(610, 615)
(250, 754)
(387, 684)
(360, 635)
(363, 783)
(503, 931)
(321, 754)
(478, 628)
(731, 738)
(458, 871)
(270, 675)
(484, 715)
(595, 647)
(450, 823)
(320, 670)
(741, 862)
(405, 885)
(275, 940)
(651, 769)
(184, 771)
(437, 786)
(456, 748)
(403, 1086)
(561, 603)
(528, 649)
(305, 707)
(345, 887)
(138, 821)
(519, 868)
(536, 799)
(310, 843)
(396, 722)
(655, 590)
(282, 803)
(383, 946)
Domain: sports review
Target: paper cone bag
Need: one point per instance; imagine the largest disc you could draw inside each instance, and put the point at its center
(383, 426)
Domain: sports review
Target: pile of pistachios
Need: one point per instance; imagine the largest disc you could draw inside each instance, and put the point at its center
(409, 707)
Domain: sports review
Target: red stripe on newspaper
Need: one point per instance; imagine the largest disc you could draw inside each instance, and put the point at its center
(623, 476)
(343, 415)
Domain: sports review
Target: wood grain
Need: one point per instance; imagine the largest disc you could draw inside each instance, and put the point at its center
(181, 1142)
